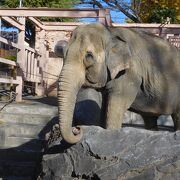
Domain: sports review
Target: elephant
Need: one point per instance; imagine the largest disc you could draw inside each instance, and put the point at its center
(139, 71)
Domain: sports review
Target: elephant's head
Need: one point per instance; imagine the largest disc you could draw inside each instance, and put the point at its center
(92, 54)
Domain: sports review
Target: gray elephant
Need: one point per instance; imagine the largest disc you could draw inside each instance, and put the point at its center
(140, 72)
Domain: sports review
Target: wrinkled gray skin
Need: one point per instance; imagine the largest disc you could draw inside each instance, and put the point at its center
(139, 71)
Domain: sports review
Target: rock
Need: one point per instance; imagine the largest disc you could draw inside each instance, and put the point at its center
(131, 118)
(126, 153)
(88, 107)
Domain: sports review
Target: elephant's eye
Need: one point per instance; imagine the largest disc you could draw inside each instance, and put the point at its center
(89, 59)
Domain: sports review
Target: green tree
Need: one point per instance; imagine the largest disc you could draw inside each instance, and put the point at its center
(160, 15)
(2, 2)
(157, 11)
(41, 3)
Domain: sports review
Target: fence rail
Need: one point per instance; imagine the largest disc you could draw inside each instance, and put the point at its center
(103, 15)
(175, 40)
(31, 69)
(5, 41)
(6, 61)
(13, 22)
(12, 80)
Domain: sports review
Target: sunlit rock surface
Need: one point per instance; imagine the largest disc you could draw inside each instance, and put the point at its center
(127, 153)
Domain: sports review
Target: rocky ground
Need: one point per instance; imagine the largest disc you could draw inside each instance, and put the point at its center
(127, 153)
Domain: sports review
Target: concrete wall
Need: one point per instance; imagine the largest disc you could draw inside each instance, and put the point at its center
(54, 63)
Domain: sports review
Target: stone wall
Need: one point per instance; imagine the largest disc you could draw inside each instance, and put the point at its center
(54, 64)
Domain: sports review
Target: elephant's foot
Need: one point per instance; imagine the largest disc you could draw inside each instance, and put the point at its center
(150, 122)
(176, 120)
(153, 129)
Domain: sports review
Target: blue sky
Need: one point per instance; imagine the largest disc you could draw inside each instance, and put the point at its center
(116, 16)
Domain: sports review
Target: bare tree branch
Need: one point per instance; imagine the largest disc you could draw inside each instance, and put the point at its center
(92, 2)
(98, 4)
(119, 5)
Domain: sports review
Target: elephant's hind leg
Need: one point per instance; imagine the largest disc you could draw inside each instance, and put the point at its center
(150, 122)
(176, 120)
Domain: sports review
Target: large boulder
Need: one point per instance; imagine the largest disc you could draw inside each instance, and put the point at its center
(127, 153)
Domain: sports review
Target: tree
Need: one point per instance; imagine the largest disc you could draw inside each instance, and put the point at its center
(41, 3)
(1, 2)
(157, 11)
(161, 14)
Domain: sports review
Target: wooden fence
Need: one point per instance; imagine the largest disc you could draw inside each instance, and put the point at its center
(31, 63)
(175, 40)
(26, 62)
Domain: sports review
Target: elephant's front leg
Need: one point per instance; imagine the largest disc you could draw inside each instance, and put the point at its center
(121, 94)
(115, 112)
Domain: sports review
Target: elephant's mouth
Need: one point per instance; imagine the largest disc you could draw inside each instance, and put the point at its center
(95, 81)
(90, 80)
(92, 84)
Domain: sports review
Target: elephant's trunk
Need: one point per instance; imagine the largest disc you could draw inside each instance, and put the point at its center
(70, 82)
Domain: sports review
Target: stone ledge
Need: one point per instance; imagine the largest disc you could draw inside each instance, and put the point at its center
(127, 153)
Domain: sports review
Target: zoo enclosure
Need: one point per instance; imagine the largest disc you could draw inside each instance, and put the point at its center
(32, 63)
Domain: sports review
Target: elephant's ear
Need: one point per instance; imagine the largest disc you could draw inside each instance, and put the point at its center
(119, 56)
